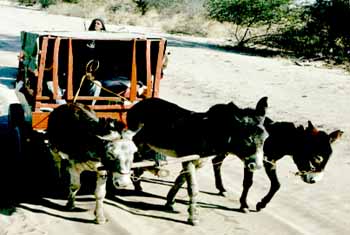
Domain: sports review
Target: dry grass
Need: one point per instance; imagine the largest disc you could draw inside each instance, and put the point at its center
(189, 21)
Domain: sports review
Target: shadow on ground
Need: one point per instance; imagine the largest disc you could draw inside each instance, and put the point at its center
(251, 51)
(10, 43)
(8, 76)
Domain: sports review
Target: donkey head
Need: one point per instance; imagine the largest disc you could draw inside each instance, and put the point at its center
(314, 151)
(119, 155)
(245, 131)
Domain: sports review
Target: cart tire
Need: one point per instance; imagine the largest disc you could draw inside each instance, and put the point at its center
(27, 109)
(20, 124)
(16, 116)
(16, 123)
(18, 143)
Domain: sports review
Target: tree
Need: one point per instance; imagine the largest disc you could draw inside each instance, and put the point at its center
(247, 13)
(328, 19)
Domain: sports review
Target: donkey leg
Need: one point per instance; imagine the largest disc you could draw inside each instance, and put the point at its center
(100, 193)
(73, 187)
(180, 180)
(275, 186)
(217, 163)
(193, 190)
(136, 179)
(247, 183)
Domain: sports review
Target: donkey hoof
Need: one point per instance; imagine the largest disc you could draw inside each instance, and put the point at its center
(244, 210)
(169, 207)
(193, 221)
(223, 193)
(101, 220)
(259, 206)
(138, 188)
(70, 206)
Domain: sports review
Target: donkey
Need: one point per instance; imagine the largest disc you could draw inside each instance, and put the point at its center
(309, 147)
(177, 132)
(90, 143)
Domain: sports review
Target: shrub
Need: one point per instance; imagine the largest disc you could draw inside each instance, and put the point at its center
(318, 30)
(247, 13)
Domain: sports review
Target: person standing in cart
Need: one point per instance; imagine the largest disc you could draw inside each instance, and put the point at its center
(93, 88)
(97, 24)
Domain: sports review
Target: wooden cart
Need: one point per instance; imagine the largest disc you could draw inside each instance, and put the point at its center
(66, 57)
(66, 60)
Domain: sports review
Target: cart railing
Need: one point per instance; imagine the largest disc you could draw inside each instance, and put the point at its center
(51, 49)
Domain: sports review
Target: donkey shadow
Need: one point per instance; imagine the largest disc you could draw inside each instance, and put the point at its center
(118, 195)
(35, 182)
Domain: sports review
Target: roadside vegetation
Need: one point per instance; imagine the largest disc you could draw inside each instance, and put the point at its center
(313, 30)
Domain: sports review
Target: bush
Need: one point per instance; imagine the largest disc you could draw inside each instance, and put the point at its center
(318, 31)
(46, 3)
(27, 2)
(247, 13)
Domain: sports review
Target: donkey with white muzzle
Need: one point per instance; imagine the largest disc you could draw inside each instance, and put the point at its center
(177, 132)
(309, 147)
(93, 144)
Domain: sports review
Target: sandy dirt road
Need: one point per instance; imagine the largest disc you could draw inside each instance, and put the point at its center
(196, 78)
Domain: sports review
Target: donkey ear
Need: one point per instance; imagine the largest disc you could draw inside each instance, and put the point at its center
(111, 136)
(128, 134)
(310, 128)
(310, 125)
(232, 106)
(268, 121)
(335, 135)
(300, 128)
(261, 106)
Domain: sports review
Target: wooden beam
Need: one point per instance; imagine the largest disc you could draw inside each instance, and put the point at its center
(41, 69)
(148, 69)
(159, 68)
(70, 71)
(133, 79)
(170, 161)
(55, 68)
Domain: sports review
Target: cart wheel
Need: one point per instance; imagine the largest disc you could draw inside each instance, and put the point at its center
(16, 124)
(26, 109)
(20, 124)
(15, 116)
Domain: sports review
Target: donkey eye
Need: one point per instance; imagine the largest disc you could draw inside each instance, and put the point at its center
(249, 140)
(318, 159)
(110, 156)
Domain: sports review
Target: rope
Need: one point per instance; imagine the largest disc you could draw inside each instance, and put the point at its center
(91, 67)
(299, 173)
(116, 94)
(49, 68)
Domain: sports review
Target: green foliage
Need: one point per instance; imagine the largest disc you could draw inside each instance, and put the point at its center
(43, 3)
(122, 6)
(323, 32)
(27, 2)
(142, 5)
(247, 13)
(46, 3)
(71, 1)
(170, 8)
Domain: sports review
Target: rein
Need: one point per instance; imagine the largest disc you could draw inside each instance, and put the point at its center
(91, 67)
(301, 173)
